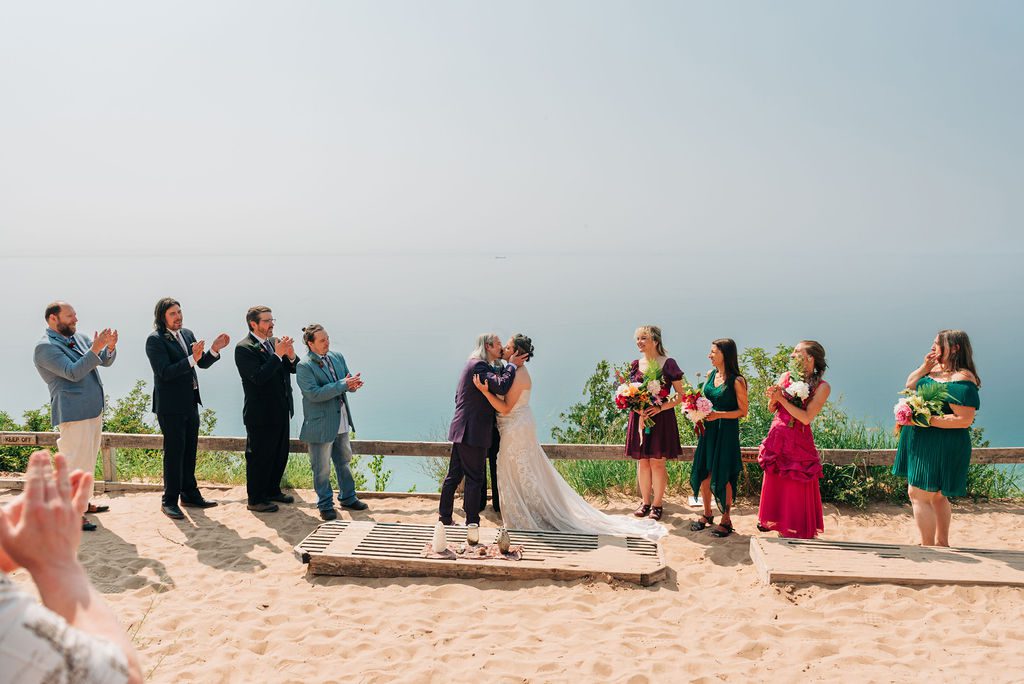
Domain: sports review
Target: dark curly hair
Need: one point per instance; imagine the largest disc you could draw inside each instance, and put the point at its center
(522, 345)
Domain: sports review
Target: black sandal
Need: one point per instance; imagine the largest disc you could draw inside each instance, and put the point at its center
(726, 530)
(656, 512)
(762, 528)
(705, 520)
(642, 510)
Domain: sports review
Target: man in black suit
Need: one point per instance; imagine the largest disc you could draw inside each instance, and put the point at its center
(265, 364)
(174, 353)
(473, 426)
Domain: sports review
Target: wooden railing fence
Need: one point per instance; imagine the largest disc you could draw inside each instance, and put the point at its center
(113, 441)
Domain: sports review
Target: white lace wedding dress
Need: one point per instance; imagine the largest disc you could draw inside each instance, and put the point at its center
(535, 497)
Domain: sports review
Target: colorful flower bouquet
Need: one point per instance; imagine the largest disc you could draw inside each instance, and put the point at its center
(696, 407)
(918, 406)
(638, 396)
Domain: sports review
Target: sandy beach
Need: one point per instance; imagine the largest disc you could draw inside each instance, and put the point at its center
(220, 597)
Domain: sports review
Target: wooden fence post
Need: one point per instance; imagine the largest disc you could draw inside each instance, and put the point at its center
(109, 463)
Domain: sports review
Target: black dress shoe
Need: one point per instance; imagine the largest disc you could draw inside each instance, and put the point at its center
(282, 498)
(262, 507)
(172, 512)
(328, 514)
(356, 505)
(87, 526)
(446, 522)
(198, 503)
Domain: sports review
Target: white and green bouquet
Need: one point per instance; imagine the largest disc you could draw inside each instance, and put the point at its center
(918, 406)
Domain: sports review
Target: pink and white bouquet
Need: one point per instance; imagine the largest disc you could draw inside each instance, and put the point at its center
(918, 406)
(695, 407)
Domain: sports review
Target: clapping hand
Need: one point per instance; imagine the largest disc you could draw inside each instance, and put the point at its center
(42, 527)
(197, 349)
(113, 341)
(220, 342)
(281, 346)
(354, 382)
(103, 339)
(289, 348)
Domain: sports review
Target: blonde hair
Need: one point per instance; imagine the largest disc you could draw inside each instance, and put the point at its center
(654, 332)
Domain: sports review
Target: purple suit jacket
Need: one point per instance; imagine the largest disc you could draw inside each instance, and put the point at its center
(473, 422)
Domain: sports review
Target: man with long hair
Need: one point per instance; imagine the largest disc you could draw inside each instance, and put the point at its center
(174, 354)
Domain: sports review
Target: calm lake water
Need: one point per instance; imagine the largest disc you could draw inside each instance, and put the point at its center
(408, 322)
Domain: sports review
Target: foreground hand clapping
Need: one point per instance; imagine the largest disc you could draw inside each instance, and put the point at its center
(41, 529)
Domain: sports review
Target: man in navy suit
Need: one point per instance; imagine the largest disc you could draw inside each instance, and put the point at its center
(266, 364)
(174, 353)
(67, 363)
(472, 428)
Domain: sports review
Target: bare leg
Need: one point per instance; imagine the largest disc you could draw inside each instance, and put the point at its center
(643, 478)
(659, 479)
(924, 514)
(705, 496)
(943, 516)
(727, 515)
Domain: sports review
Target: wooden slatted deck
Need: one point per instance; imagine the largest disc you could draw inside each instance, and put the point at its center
(840, 562)
(371, 549)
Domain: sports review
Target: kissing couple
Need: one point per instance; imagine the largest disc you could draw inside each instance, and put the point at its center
(533, 495)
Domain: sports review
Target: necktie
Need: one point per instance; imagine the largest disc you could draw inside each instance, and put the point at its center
(330, 369)
(268, 346)
(181, 341)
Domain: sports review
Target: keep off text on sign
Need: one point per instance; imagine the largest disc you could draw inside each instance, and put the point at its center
(21, 440)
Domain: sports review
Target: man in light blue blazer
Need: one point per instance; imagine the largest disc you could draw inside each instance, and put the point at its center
(325, 382)
(67, 362)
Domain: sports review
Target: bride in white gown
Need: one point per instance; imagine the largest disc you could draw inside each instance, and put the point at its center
(533, 495)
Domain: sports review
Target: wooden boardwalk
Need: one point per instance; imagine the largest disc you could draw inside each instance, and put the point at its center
(840, 562)
(370, 549)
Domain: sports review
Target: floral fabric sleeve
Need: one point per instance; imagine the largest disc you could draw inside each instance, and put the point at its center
(37, 645)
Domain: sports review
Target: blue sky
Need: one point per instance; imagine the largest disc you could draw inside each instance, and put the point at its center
(533, 127)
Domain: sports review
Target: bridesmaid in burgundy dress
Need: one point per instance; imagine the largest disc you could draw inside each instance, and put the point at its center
(651, 449)
(790, 497)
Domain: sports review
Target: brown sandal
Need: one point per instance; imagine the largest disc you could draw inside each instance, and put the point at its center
(642, 510)
(656, 512)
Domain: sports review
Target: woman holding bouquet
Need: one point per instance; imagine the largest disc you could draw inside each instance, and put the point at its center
(717, 463)
(934, 459)
(790, 497)
(651, 446)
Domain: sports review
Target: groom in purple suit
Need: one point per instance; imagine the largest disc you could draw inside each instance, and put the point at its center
(472, 429)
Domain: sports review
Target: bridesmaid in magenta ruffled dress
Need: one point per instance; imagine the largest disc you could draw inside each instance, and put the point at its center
(790, 497)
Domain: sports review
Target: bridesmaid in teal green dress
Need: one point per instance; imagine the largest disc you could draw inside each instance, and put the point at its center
(934, 459)
(717, 463)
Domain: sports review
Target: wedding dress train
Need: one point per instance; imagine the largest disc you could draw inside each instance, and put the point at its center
(535, 497)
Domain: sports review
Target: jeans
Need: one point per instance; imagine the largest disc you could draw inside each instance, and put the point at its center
(320, 456)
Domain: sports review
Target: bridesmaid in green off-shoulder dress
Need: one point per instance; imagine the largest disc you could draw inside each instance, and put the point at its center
(935, 459)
